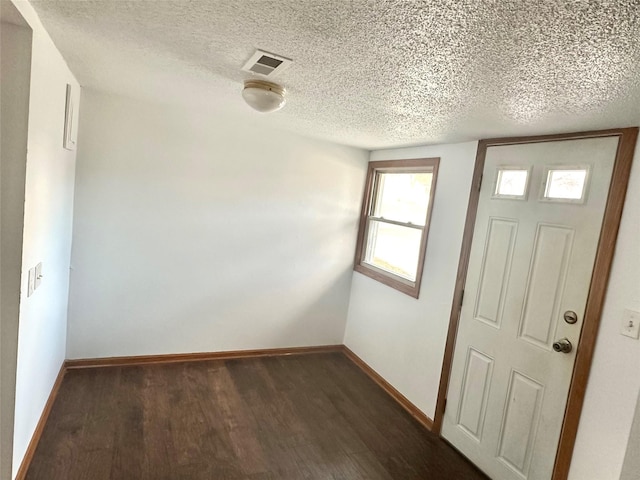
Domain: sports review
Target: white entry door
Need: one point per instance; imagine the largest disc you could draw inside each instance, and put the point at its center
(536, 234)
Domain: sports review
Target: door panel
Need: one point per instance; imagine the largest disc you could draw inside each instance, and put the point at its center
(545, 286)
(475, 390)
(520, 422)
(495, 270)
(531, 260)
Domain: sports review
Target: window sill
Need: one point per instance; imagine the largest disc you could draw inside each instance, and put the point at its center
(413, 290)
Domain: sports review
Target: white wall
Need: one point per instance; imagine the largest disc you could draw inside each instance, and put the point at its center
(614, 383)
(194, 233)
(48, 206)
(398, 336)
(15, 72)
(631, 466)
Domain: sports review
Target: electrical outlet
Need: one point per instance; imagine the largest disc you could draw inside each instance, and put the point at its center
(630, 324)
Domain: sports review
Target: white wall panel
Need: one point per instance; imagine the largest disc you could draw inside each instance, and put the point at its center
(48, 214)
(195, 233)
(401, 337)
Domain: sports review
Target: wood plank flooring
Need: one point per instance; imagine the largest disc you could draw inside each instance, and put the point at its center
(277, 418)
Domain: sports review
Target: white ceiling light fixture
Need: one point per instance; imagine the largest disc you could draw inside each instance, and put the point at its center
(263, 96)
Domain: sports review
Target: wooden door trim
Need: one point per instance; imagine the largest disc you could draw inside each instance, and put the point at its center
(597, 289)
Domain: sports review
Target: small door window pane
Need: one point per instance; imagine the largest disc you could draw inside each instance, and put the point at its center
(511, 183)
(403, 197)
(566, 184)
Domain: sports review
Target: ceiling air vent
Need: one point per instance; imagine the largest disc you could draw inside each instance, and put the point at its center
(266, 64)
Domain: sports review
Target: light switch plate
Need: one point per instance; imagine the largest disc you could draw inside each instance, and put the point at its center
(38, 279)
(630, 324)
(31, 281)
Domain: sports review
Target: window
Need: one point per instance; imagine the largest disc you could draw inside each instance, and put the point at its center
(565, 184)
(395, 221)
(511, 182)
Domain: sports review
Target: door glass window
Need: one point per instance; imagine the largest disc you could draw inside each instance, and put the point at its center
(511, 182)
(566, 184)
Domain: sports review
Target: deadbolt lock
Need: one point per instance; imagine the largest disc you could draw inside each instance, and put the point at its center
(562, 346)
(570, 317)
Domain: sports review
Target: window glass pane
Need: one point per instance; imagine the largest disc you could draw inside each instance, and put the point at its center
(393, 248)
(403, 197)
(566, 184)
(512, 183)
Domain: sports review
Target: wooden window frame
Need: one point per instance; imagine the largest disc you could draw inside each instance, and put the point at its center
(416, 165)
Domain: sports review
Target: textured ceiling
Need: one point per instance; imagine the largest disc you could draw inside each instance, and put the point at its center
(375, 73)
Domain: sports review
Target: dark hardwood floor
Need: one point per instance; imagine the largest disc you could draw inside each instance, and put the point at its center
(297, 417)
